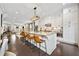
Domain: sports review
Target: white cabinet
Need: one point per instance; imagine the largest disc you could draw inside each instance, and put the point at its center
(70, 24)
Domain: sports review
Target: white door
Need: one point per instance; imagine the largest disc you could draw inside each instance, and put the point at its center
(69, 26)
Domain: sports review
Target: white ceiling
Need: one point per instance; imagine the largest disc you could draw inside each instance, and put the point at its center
(22, 12)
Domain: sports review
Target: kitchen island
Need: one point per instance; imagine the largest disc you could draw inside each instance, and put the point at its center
(51, 41)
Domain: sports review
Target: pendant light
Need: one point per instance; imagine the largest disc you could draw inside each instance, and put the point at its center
(35, 17)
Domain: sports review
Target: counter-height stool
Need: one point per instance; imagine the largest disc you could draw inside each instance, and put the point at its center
(23, 36)
(30, 39)
(38, 40)
(27, 37)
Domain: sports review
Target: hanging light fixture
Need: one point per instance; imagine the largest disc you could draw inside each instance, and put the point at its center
(35, 17)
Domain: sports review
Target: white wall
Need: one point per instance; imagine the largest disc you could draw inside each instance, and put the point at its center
(54, 20)
(77, 29)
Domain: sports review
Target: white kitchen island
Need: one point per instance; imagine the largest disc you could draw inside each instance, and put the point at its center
(51, 41)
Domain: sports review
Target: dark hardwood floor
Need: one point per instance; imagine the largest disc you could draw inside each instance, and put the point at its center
(61, 50)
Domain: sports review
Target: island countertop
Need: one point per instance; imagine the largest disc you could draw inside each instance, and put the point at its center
(42, 33)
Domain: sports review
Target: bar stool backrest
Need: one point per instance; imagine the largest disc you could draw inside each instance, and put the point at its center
(38, 39)
(23, 34)
(30, 36)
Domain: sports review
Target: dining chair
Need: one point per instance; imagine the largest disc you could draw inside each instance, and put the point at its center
(3, 47)
(13, 39)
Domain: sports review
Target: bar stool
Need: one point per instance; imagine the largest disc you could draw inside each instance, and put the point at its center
(38, 40)
(30, 38)
(23, 36)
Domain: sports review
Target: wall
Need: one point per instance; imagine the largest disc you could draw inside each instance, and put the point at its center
(56, 21)
(77, 31)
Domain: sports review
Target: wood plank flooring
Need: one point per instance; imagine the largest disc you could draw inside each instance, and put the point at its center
(61, 50)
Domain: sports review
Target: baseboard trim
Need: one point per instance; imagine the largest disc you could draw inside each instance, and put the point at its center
(69, 43)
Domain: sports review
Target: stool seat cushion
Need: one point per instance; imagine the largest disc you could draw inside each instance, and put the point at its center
(38, 39)
(30, 36)
(24, 34)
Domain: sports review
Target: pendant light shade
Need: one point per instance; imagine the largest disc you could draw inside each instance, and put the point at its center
(35, 17)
